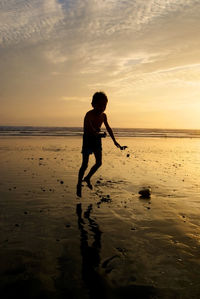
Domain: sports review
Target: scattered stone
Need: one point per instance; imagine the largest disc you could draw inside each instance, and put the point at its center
(41, 158)
(61, 182)
(145, 193)
(17, 225)
(128, 155)
(106, 199)
(67, 225)
(25, 212)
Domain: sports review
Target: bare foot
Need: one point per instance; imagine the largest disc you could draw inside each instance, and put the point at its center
(88, 183)
(78, 190)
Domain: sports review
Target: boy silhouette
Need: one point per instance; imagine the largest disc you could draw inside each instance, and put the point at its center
(92, 138)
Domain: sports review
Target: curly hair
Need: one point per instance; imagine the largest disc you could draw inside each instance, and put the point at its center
(99, 97)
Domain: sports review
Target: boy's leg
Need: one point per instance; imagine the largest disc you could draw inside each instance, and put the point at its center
(98, 157)
(82, 170)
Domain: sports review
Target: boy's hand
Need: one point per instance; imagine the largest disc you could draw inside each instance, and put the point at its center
(103, 135)
(123, 147)
(119, 146)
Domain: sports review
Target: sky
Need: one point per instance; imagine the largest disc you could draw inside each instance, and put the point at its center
(144, 54)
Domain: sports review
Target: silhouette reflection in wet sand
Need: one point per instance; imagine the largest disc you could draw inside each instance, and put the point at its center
(90, 254)
(94, 280)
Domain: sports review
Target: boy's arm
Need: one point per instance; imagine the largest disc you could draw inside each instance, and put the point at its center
(108, 128)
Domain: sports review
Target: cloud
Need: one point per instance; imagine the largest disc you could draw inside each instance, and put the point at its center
(28, 20)
(67, 49)
(76, 99)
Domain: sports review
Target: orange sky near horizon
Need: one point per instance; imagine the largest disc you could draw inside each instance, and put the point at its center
(54, 54)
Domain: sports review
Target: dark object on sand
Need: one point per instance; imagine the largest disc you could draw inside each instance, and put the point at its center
(128, 155)
(106, 198)
(145, 193)
(61, 182)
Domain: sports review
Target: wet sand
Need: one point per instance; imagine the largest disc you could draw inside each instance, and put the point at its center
(110, 243)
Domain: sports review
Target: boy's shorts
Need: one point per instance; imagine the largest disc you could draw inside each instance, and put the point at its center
(91, 144)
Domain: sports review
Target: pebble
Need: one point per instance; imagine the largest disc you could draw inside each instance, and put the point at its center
(145, 193)
(106, 199)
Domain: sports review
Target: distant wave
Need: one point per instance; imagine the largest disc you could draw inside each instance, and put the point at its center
(77, 131)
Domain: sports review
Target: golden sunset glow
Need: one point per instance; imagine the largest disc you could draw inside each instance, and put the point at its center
(143, 54)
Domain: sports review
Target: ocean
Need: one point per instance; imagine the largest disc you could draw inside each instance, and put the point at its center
(78, 131)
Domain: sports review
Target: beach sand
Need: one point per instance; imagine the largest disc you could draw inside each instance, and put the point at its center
(110, 243)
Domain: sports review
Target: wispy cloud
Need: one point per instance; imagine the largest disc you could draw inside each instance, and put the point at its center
(25, 20)
(66, 49)
(75, 99)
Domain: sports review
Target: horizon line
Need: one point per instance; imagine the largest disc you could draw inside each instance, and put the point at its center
(135, 128)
